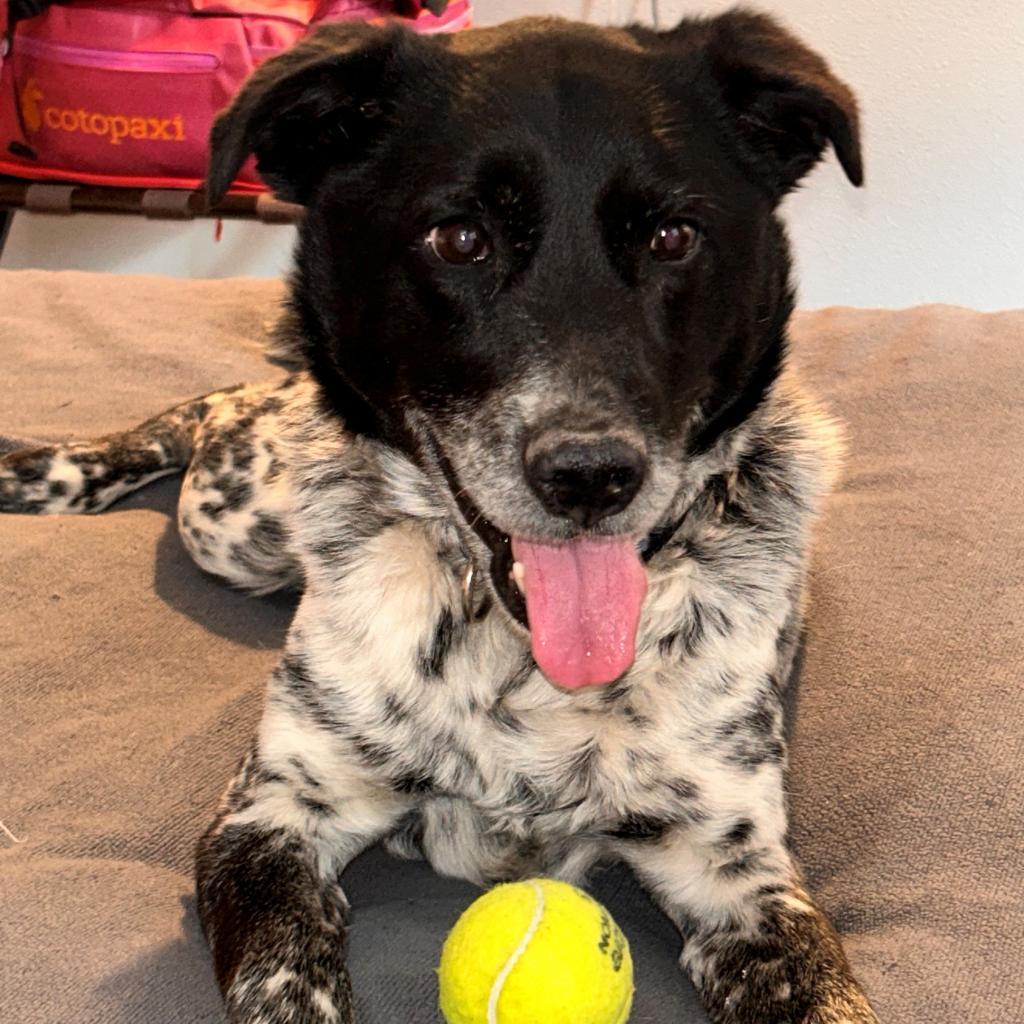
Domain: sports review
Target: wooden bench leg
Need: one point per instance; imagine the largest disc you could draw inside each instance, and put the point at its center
(6, 218)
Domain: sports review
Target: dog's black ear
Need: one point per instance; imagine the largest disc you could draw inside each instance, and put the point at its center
(784, 105)
(320, 103)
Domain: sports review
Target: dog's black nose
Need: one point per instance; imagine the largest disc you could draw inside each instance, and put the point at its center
(583, 479)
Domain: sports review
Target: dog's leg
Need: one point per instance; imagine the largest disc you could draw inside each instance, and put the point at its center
(235, 500)
(267, 880)
(757, 948)
(89, 476)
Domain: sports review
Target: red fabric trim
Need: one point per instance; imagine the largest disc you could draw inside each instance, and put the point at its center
(17, 170)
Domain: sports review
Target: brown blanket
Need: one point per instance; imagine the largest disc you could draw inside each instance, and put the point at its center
(129, 680)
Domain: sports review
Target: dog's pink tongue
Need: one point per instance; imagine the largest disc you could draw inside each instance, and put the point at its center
(583, 601)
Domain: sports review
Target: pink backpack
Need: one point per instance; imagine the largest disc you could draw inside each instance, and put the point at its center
(123, 92)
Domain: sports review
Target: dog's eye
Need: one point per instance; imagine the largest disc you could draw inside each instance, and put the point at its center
(460, 241)
(674, 239)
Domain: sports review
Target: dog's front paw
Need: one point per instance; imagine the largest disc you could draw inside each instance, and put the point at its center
(268, 994)
(849, 1007)
(779, 983)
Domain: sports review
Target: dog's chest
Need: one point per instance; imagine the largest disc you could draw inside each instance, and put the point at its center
(447, 708)
(654, 744)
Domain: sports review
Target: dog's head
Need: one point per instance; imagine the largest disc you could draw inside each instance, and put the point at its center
(543, 259)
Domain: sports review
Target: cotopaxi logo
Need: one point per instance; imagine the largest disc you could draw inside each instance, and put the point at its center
(112, 127)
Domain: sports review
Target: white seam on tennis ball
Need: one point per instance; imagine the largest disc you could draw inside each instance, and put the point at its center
(524, 942)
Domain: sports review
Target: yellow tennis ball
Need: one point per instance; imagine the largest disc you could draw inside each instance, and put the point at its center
(536, 952)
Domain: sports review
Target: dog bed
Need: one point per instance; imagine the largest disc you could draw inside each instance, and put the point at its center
(130, 681)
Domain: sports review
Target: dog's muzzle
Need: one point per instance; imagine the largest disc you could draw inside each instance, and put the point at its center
(580, 599)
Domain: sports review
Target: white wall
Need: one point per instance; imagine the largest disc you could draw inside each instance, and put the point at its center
(941, 218)
(138, 246)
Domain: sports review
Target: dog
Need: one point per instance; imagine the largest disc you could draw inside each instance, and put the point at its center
(543, 476)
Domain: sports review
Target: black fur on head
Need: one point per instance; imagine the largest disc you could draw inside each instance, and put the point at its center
(574, 152)
(783, 106)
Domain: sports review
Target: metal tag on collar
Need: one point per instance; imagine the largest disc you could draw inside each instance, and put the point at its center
(467, 591)
(476, 600)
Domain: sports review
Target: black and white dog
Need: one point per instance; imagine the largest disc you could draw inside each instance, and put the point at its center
(544, 478)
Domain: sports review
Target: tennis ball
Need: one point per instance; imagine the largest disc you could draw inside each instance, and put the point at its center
(536, 952)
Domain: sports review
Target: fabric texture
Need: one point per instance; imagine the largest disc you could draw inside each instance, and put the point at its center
(130, 681)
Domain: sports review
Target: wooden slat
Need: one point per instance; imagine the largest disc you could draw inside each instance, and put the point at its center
(153, 203)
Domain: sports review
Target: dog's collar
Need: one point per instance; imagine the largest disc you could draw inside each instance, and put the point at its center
(498, 543)
(661, 535)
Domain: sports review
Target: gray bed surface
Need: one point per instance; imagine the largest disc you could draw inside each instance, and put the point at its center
(130, 682)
